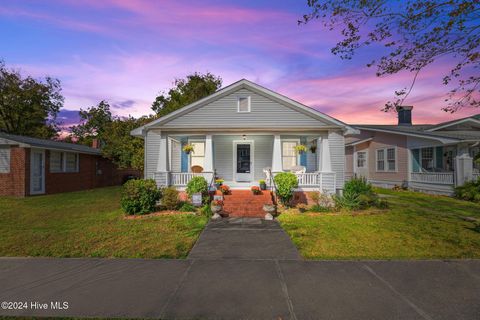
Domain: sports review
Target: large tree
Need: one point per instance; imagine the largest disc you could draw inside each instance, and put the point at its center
(93, 123)
(186, 91)
(414, 34)
(123, 149)
(29, 106)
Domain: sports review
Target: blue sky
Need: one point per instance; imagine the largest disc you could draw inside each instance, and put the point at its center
(128, 51)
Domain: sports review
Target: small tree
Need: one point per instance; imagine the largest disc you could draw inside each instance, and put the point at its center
(285, 182)
(197, 185)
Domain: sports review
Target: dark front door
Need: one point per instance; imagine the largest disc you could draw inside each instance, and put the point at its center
(244, 162)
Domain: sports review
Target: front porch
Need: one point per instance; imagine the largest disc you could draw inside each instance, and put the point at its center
(241, 160)
(441, 168)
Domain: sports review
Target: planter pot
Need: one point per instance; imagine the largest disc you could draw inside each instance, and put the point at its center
(263, 186)
(217, 185)
(269, 211)
(216, 210)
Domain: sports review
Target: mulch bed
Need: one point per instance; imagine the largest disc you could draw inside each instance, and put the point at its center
(155, 214)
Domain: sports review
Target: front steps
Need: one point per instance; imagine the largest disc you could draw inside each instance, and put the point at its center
(243, 203)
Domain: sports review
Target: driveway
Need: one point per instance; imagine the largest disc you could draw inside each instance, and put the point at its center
(242, 283)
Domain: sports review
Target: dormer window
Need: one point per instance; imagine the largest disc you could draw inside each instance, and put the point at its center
(243, 104)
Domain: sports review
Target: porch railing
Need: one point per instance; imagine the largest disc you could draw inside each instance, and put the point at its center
(307, 179)
(432, 177)
(179, 179)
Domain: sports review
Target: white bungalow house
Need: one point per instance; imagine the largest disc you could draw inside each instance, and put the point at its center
(242, 132)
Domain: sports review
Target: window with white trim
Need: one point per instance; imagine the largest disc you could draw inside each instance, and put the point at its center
(4, 159)
(427, 157)
(197, 157)
(56, 161)
(64, 162)
(289, 155)
(243, 104)
(387, 159)
(361, 159)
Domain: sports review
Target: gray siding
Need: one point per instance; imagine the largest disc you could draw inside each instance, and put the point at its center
(265, 113)
(152, 151)
(337, 154)
(223, 155)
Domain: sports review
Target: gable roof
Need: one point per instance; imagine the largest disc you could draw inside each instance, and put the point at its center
(245, 84)
(421, 132)
(475, 119)
(49, 144)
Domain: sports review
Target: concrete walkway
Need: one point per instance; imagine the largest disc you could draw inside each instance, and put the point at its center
(244, 238)
(243, 283)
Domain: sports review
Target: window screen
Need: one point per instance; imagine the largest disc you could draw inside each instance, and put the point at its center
(4, 159)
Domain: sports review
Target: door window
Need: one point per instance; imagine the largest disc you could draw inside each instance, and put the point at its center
(243, 158)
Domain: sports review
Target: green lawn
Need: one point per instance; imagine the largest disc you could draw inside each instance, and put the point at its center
(416, 226)
(91, 224)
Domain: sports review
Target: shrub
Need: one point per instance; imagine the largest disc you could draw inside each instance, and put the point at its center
(187, 207)
(206, 211)
(197, 185)
(285, 182)
(170, 198)
(358, 186)
(349, 200)
(470, 191)
(139, 196)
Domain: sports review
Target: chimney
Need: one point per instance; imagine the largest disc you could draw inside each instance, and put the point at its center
(404, 115)
(95, 144)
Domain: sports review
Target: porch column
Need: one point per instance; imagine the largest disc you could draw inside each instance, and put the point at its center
(163, 165)
(463, 165)
(208, 154)
(277, 154)
(326, 159)
(319, 154)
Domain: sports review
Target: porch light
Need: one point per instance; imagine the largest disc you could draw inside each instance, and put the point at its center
(244, 137)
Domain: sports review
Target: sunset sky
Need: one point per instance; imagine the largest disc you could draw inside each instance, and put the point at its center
(128, 51)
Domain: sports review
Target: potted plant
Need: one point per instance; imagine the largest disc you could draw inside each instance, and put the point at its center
(216, 206)
(269, 211)
(188, 148)
(224, 189)
(313, 148)
(218, 183)
(300, 148)
(262, 184)
(256, 190)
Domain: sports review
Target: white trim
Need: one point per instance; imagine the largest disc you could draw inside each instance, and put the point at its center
(42, 152)
(254, 87)
(252, 158)
(281, 150)
(455, 122)
(351, 144)
(355, 159)
(385, 159)
(249, 101)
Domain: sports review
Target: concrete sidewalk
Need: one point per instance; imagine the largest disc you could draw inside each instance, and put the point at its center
(244, 288)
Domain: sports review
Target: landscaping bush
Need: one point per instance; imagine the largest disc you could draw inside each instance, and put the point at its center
(318, 208)
(206, 211)
(170, 198)
(470, 191)
(139, 196)
(187, 207)
(359, 194)
(285, 182)
(197, 185)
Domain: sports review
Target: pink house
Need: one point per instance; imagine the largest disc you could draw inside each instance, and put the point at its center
(428, 157)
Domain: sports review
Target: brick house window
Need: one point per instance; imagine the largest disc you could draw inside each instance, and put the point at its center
(4, 159)
(63, 162)
(56, 161)
(71, 162)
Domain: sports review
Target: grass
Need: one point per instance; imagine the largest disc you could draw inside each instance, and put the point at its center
(91, 224)
(416, 226)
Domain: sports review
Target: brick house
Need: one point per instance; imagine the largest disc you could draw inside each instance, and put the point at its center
(31, 166)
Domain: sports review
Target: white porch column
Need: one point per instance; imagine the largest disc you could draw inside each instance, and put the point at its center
(325, 155)
(319, 154)
(463, 165)
(277, 154)
(163, 165)
(208, 154)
